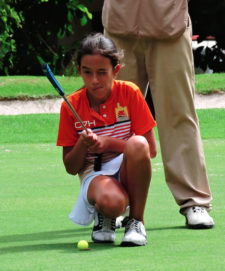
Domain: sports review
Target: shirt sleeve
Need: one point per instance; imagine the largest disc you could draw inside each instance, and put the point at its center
(67, 134)
(142, 120)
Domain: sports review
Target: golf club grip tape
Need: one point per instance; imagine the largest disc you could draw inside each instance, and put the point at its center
(98, 162)
(47, 71)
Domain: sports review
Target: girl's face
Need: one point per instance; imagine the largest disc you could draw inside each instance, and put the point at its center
(98, 74)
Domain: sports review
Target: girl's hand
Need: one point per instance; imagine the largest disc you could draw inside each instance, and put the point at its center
(100, 145)
(94, 143)
(88, 139)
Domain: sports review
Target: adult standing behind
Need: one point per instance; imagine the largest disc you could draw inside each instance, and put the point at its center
(156, 37)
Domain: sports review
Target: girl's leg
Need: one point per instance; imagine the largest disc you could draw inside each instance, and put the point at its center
(108, 196)
(135, 174)
(110, 200)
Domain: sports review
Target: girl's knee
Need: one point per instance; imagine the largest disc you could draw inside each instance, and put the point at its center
(137, 147)
(111, 205)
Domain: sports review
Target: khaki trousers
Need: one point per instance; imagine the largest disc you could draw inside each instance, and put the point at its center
(168, 67)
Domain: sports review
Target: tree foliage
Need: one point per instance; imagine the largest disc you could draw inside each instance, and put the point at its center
(35, 30)
(9, 20)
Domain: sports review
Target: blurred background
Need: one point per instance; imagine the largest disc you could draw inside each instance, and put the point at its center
(50, 30)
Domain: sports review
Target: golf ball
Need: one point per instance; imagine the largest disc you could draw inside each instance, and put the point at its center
(82, 245)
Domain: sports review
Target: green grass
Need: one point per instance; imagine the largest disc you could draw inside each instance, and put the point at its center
(207, 83)
(24, 87)
(35, 128)
(212, 123)
(37, 195)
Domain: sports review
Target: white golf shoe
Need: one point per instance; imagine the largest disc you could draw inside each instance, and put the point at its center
(135, 234)
(197, 217)
(103, 230)
(122, 220)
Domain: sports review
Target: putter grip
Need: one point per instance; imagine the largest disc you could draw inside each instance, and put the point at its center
(98, 162)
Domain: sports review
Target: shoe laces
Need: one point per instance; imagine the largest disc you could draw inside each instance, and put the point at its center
(106, 223)
(133, 224)
(198, 209)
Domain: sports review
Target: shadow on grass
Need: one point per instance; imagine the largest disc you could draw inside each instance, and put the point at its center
(167, 228)
(49, 235)
(62, 247)
(70, 233)
(45, 237)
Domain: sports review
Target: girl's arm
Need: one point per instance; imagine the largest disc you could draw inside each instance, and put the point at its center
(74, 156)
(150, 136)
(111, 144)
(108, 144)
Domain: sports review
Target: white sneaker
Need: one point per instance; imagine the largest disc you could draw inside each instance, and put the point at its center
(135, 234)
(119, 222)
(122, 220)
(103, 230)
(197, 217)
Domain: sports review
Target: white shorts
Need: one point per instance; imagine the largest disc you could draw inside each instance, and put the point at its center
(83, 212)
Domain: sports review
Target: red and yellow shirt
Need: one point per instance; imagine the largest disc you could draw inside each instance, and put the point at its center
(124, 114)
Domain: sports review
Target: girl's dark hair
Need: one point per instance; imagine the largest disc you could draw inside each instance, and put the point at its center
(98, 44)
